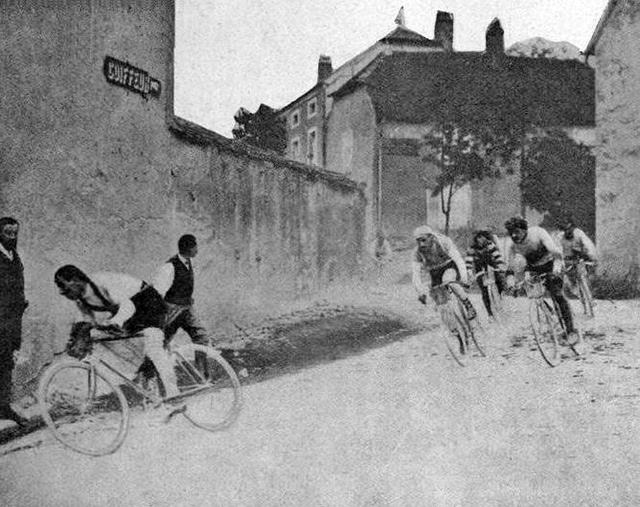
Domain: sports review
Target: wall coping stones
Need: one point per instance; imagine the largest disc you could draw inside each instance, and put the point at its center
(196, 134)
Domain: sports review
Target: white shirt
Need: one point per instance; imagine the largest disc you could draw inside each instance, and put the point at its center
(118, 289)
(8, 253)
(538, 248)
(165, 275)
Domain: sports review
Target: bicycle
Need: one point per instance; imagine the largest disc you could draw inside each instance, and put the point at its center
(83, 404)
(458, 330)
(548, 327)
(582, 282)
(488, 278)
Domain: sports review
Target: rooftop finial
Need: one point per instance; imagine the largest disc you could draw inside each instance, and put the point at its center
(400, 17)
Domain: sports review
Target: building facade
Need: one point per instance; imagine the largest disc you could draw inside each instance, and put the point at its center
(380, 116)
(306, 117)
(613, 50)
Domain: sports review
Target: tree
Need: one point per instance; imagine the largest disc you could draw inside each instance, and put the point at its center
(558, 177)
(264, 128)
(462, 154)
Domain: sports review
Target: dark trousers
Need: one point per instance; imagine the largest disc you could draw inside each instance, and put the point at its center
(10, 340)
(554, 284)
(185, 317)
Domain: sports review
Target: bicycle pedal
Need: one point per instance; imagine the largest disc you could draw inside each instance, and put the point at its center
(178, 410)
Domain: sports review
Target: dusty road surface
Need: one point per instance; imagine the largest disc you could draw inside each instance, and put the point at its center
(394, 424)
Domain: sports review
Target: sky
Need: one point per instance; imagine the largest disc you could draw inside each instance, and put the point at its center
(241, 53)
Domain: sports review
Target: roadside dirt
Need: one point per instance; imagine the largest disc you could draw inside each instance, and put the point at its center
(355, 401)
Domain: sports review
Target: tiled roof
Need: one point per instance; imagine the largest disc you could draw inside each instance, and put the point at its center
(420, 88)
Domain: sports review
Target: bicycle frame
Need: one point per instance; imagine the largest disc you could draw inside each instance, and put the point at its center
(154, 398)
(97, 362)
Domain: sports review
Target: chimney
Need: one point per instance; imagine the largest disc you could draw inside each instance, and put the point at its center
(443, 31)
(494, 38)
(325, 68)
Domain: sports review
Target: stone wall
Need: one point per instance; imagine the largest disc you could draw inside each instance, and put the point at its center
(106, 178)
(618, 143)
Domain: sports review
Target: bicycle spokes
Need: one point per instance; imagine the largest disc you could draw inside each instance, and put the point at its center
(84, 410)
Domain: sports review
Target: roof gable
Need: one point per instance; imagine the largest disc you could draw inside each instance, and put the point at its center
(402, 35)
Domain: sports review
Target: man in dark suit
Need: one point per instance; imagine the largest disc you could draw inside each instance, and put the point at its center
(12, 306)
(175, 282)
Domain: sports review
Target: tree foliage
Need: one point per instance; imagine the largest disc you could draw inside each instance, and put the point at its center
(558, 178)
(462, 154)
(264, 128)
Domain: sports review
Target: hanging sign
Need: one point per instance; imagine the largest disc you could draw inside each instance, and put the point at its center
(130, 77)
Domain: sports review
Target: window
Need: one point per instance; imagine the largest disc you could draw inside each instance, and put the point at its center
(295, 118)
(312, 107)
(312, 146)
(294, 150)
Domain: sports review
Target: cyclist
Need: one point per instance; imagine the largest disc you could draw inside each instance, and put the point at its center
(482, 254)
(125, 302)
(437, 254)
(542, 256)
(576, 245)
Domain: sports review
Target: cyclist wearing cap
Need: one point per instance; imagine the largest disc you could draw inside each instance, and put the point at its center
(437, 254)
(483, 253)
(543, 256)
(575, 243)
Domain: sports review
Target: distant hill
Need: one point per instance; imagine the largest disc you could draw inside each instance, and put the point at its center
(543, 48)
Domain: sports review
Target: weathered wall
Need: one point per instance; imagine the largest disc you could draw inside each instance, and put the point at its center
(97, 178)
(352, 146)
(618, 146)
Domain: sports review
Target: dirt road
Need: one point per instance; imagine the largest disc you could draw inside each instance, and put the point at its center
(396, 425)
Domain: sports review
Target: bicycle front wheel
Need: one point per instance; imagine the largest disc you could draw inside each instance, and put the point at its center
(585, 296)
(84, 410)
(456, 336)
(496, 302)
(209, 386)
(545, 332)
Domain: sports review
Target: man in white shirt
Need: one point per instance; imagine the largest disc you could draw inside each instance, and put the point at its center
(125, 302)
(543, 256)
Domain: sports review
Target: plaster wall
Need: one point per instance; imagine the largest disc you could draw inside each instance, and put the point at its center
(105, 178)
(618, 143)
(352, 147)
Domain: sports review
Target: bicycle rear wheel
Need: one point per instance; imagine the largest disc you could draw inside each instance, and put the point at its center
(545, 332)
(209, 386)
(84, 410)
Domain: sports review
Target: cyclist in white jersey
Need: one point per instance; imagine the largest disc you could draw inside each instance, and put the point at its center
(436, 254)
(543, 256)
